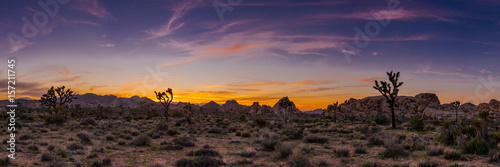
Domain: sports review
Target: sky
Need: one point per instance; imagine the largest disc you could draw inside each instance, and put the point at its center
(315, 52)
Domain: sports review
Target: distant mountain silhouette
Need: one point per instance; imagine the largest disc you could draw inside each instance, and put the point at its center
(92, 100)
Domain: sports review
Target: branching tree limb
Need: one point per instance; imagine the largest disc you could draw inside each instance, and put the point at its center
(390, 92)
(165, 99)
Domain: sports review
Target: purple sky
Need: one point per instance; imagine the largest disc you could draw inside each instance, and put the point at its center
(315, 52)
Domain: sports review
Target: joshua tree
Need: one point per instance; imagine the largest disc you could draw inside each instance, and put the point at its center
(165, 99)
(188, 110)
(456, 105)
(57, 98)
(285, 104)
(484, 116)
(390, 92)
(333, 107)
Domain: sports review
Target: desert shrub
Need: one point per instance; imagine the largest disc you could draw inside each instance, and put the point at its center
(93, 155)
(284, 151)
(476, 146)
(244, 162)
(177, 113)
(299, 159)
(184, 163)
(47, 157)
(413, 141)
(238, 133)
(57, 162)
(417, 124)
(135, 133)
(25, 137)
(363, 129)
(381, 121)
(374, 141)
(172, 132)
(372, 164)
(110, 138)
(33, 148)
(162, 126)
(312, 138)
(141, 141)
(246, 134)
(106, 161)
(261, 122)
(74, 146)
(121, 143)
(436, 122)
(269, 144)
(360, 151)
(4, 161)
(184, 141)
(248, 152)
(453, 155)
(198, 162)
(156, 165)
(448, 134)
(58, 119)
(494, 157)
(84, 138)
(495, 138)
(51, 148)
(171, 147)
(341, 152)
(428, 164)
(323, 163)
(293, 133)
(216, 130)
(204, 152)
(393, 150)
(88, 121)
(435, 151)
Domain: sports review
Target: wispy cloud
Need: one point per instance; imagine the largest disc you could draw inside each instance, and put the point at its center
(27, 89)
(270, 83)
(444, 73)
(438, 15)
(370, 80)
(107, 45)
(94, 8)
(68, 76)
(216, 52)
(179, 10)
(311, 82)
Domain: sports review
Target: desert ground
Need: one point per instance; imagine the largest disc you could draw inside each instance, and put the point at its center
(107, 136)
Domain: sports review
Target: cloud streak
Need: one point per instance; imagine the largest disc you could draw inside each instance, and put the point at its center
(271, 83)
(94, 8)
(179, 10)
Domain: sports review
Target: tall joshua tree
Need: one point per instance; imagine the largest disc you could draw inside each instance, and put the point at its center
(333, 107)
(188, 110)
(456, 105)
(165, 99)
(56, 99)
(390, 92)
(285, 104)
